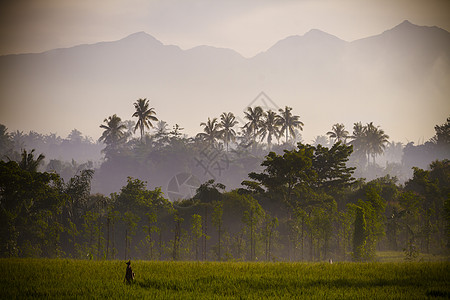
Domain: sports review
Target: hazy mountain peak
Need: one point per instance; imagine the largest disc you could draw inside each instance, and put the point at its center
(204, 49)
(141, 36)
(405, 26)
(314, 38)
(317, 33)
(406, 23)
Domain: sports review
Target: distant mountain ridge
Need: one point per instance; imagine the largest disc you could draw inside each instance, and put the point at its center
(404, 71)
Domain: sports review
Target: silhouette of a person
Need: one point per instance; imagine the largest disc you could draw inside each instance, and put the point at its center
(129, 274)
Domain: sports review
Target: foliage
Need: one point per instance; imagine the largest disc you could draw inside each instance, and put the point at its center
(338, 133)
(145, 115)
(359, 235)
(300, 204)
(113, 135)
(30, 206)
(289, 122)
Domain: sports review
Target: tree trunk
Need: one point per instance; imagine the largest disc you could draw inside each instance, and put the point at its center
(220, 241)
(312, 245)
(150, 241)
(113, 246)
(303, 236)
(160, 243)
(205, 227)
(126, 244)
(108, 224)
(251, 234)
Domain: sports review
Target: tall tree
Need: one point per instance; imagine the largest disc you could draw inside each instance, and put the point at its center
(6, 143)
(162, 128)
(254, 116)
(321, 140)
(333, 175)
(228, 121)
(211, 131)
(442, 136)
(376, 139)
(113, 134)
(338, 133)
(394, 151)
(285, 173)
(75, 136)
(197, 232)
(217, 220)
(359, 142)
(369, 140)
(270, 127)
(28, 161)
(289, 122)
(145, 115)
(359, 234)
(206, 194)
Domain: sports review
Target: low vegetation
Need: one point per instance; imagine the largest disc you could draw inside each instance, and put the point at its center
(58, 278)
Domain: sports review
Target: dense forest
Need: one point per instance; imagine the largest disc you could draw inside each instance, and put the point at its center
(250, 191)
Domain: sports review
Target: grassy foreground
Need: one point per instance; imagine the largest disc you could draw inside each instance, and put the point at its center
(59, 279)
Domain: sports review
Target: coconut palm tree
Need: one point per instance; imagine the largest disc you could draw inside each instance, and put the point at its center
(28, 162)
(368, 140)
(162, 128)
(145, 115)
(289, 122)
(269, 127)
(376, 140)
(254, 116)
(176, 131)
(321, 140)
(338, 133)
(228, 121)
(359, 141)
(114, 133)
(394, 150)
(211, 131)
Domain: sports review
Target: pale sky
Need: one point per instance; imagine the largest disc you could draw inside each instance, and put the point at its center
(248, 27)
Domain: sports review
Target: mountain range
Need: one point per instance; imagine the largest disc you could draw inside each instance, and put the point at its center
(399, 79)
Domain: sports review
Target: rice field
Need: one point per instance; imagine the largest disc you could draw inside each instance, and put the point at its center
(69, 279)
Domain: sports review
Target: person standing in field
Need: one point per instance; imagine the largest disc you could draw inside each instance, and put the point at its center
(129, 274)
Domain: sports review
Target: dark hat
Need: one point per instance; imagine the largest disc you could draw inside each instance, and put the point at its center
(128, 262)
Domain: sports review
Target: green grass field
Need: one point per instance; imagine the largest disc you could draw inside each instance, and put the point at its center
(62, 279)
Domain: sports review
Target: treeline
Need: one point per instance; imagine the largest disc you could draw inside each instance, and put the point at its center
(304, 204)
(225, 150)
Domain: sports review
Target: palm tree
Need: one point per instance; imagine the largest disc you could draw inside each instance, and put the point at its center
(321, 140)
(253, 115)
(129, 125)
(144, 114)
(28, 163)
(269, 127)
(376, 140)
(359, 141)
(162, 128)
(211, 132)
(395, 150)
(368, 140)
(289, 122)
(338, 133)
(228, 121)
(176, 130)
(113, 133)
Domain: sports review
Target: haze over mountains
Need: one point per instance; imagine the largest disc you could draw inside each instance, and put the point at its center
(399, 79)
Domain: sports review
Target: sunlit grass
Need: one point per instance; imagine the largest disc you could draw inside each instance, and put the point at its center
(45, 278)
(399, 256)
